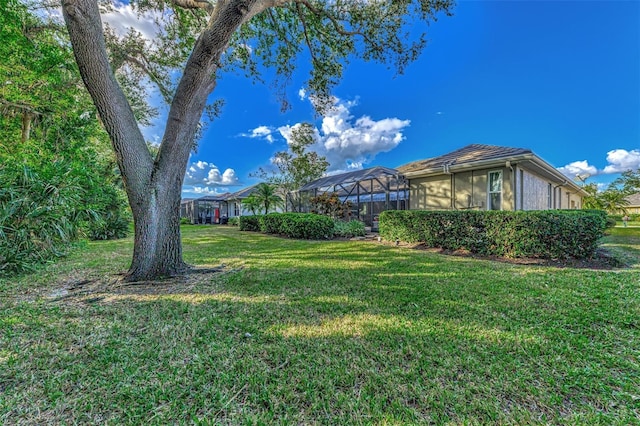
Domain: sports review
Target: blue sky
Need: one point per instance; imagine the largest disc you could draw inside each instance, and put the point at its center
(559, 77)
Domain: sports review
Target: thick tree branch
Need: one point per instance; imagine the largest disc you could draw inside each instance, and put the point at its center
(82, 18)
(306, 34)
(20, 107)
(195, 4)
(336, 24)
(142, 64)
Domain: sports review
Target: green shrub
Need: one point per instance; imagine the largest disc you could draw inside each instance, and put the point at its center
(306, 226)
(611, 222)
(353, 228)
(39, 217)
(272, 223)
(547, 234)
(112, 218)
(234, 221)
(249, 223)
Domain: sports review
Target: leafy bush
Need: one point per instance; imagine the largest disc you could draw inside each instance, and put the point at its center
(611, 222)
(353, 228)
(234, 221)
(249, 223)
(39, 217)
(547, 234)
(306, 226)
(329, 204)
(112, 217)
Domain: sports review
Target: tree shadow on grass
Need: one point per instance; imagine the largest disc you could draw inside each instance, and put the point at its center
(259, 346)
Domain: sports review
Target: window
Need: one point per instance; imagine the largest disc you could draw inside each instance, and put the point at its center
(495, 190)
(549, 196)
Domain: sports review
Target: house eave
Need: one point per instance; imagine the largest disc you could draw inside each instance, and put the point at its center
(531, 160)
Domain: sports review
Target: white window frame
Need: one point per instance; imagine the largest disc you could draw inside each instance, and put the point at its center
(489, 192)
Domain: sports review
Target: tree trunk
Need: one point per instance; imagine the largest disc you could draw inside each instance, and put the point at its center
(157, 250)
(154, 186)
(27, 119)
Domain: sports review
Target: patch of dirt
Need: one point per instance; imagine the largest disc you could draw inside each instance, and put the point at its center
(201, 280)
(601, 260)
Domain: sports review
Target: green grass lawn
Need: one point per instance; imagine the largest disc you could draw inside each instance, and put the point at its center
(331, 332)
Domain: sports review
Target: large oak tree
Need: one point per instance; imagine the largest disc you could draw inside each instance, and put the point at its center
(271, 33)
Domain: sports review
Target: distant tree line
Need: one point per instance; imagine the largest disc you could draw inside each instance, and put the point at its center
(613, 199)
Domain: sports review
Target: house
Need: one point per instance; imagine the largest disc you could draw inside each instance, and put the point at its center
(633, 206)
(215, 208)
(207, 209)
(481, 177)
(487, 177)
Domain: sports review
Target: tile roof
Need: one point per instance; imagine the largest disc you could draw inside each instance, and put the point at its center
(634, 199)
(467, 154)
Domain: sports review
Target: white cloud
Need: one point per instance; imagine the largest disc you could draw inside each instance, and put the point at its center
(351, 144)
(302, 93)
(203, 173)
(201, 191)
(621, 160)
(578, 168)
(122, 16)
(260, 132)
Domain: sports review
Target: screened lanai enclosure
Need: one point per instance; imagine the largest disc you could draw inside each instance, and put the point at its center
(369, 191)
(206, 209)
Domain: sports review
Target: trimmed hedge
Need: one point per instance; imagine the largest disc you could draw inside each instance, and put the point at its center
(306, 226)
(249, 223)
(550, 234)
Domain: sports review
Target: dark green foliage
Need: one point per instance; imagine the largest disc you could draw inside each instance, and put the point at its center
(306, 226)
(39, 216)
(611, 222)
(113, 217)
(553, 234)
(58, 178)
(249, 223)
(352, 228)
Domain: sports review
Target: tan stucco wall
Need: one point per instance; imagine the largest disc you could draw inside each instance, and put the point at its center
(430, 193)
(574, 201)
(471, 190)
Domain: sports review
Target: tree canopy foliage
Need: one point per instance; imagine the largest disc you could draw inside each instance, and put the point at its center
(58, 175)
(613, 199)
(297, 166)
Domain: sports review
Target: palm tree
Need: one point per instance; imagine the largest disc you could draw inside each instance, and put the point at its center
(267, 197)
(613, 201)
(252, 204)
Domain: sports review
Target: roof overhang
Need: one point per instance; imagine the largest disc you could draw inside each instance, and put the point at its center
(527, 161)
